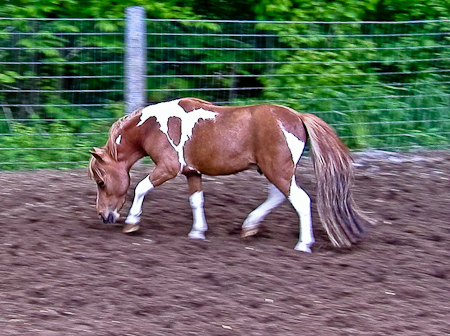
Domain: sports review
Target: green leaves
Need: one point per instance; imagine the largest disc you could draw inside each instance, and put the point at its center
(8, 77)
(40, 144)
(379, 85)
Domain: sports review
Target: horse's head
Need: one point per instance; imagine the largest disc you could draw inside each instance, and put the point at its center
(112, 180)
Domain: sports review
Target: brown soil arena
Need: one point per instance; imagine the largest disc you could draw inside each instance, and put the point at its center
(62, 272)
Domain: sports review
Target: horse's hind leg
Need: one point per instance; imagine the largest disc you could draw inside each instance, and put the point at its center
(302, 204)
(196, 201)
(284, 180)
(278, 163)
(251, 223)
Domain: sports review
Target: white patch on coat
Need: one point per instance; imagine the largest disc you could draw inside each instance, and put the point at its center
(142, 188)
(199, 226)
(274, 199)
(302, 204)
(164, 111)
(295, 145)
(118, 139)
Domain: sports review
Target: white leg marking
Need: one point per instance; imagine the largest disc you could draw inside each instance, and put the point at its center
(116, 214)
(164, 111)
(295, 145)
(199, 226)
(302, 204)
(141, 190)
(274, 199)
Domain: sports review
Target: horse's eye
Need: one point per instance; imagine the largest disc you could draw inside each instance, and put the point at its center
(101, 184)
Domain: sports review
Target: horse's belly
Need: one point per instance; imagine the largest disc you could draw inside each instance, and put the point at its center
(217, 158)
(224, 169)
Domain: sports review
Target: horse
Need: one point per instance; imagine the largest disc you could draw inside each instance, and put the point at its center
(192, 137)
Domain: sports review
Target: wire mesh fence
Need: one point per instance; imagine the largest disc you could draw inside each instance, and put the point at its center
(382, 85)
(61, 86)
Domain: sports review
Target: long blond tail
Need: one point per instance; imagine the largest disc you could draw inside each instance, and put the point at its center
(339, 215)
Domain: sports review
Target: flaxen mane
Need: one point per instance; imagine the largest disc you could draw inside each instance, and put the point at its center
(110, 146)
(114, 131)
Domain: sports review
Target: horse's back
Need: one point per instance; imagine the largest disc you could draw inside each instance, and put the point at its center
(223, 145)
(270, 114)
(240, 137)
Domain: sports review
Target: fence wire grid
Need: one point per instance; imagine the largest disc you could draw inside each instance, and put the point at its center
(382, 85)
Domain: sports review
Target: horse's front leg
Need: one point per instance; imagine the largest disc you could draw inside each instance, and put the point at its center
(156, 177)
(196, 201)
(142, 188)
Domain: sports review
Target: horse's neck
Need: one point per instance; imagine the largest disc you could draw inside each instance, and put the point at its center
(130, 159)
(131, 151)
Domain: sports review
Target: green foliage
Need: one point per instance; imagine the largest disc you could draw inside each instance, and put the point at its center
(92, 8)
(379, 85)
(8, 77)
(198, 49)
(38, 144)
(41, 73)
(314, 10)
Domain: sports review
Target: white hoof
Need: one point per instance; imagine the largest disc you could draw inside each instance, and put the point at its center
(303, 247)
(132, 219)
(249, 231)
(129, 228)
(196, 234)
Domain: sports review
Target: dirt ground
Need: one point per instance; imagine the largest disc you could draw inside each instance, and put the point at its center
(63, 272)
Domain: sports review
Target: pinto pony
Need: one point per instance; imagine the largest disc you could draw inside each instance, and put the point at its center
(193, 137)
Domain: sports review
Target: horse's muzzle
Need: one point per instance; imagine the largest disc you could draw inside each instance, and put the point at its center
(111, 218)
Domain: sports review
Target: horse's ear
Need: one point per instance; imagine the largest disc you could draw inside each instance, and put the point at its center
(97, 153)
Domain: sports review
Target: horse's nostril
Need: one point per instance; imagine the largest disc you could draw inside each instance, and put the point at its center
(111, 218)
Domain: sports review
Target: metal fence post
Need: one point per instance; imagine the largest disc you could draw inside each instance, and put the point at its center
(135, 58)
